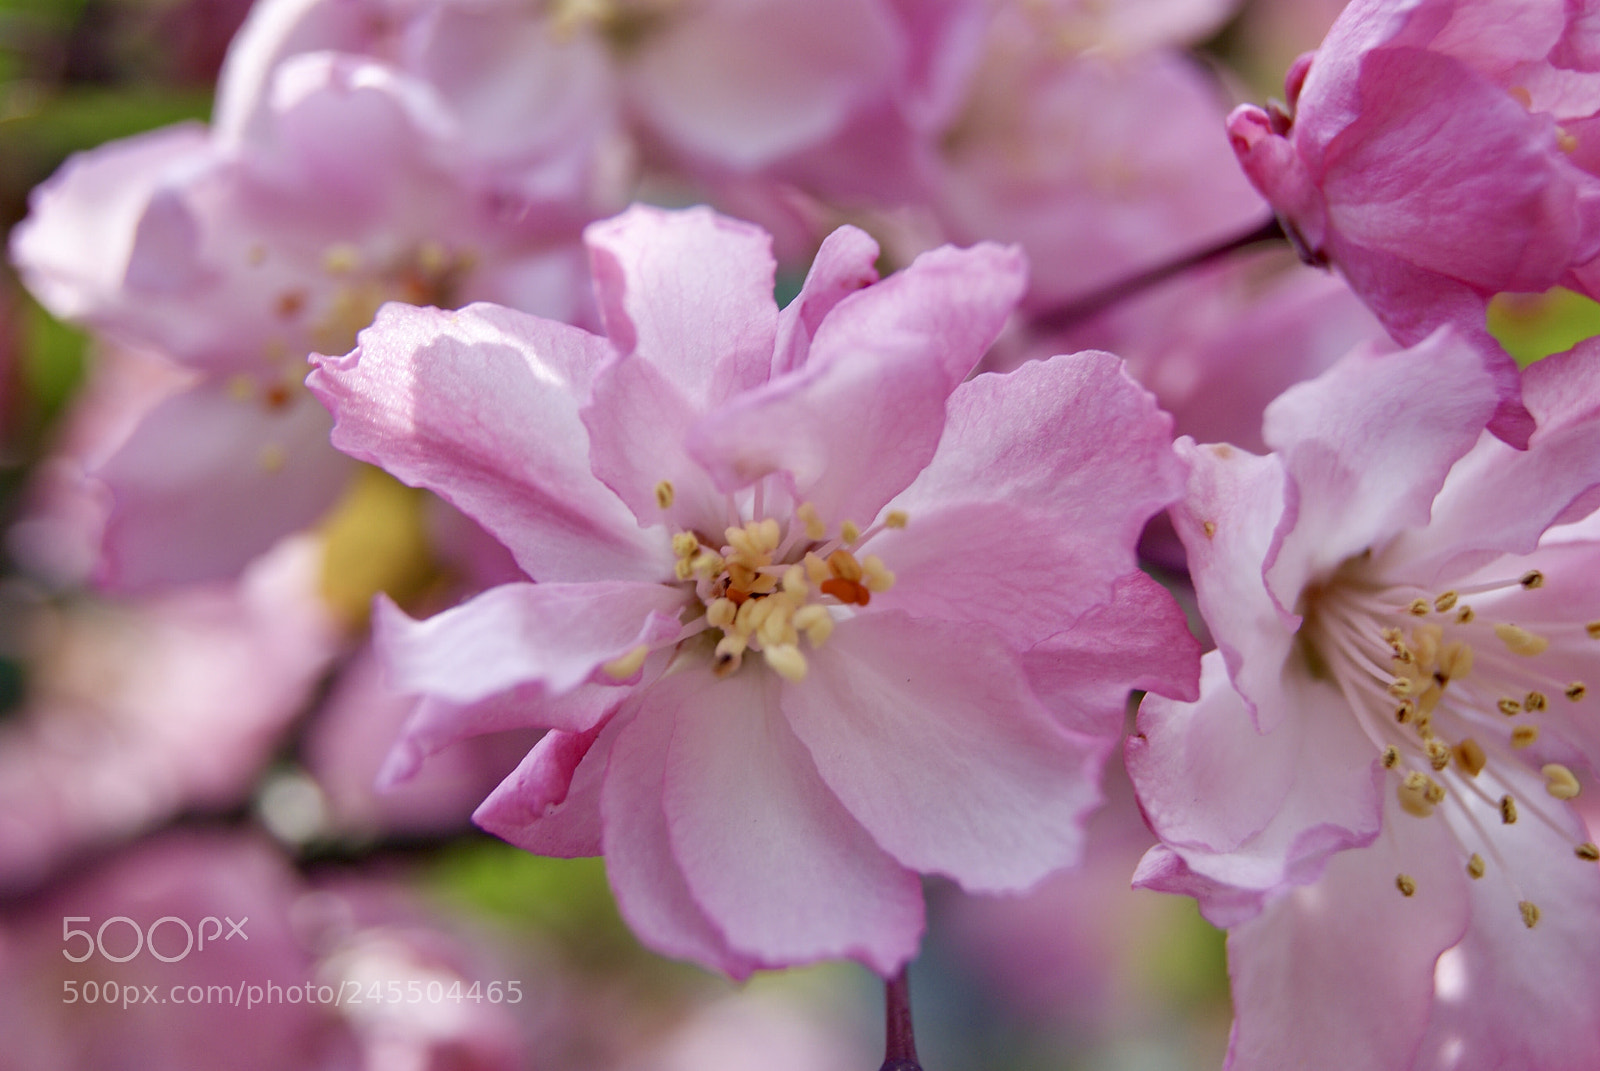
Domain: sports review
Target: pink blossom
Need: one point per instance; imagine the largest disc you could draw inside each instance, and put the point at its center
(809, 614)
(1439, 152)
(1372, 791)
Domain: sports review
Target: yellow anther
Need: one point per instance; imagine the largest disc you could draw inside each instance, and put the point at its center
(721, 612)
(1438, 754)
(1470, 756)
(1524, 736)
(739, 539)
(1464, 616)
(768, 535)
(729, 654)
(1559, 781)
(1475, 867)
(786, 661)
(843, 565)
(1406, 884)
(777, 630)
(1434, 793)
(1455, 661)
(1519, 640)
(794, 580)
(684, 544)
(707, 563)
(1446, 602)
(1508, 809)
(753, 614)
(1405, 712)
(1576, 691)
(896, 518)
(762, 584)
(1419, 607)
(1394, 637)
(1391, 757)
(1210, 529)
(1426, 641)
(850, 531)
(1530, 913)
(682, 569)
(1412, 793)
(815, 622)
(625, 666)
(816, 569)
(1401, 687)
(1587, 851)
(341, 259)
(1509, 707)
(875, 576)
(1521, 95)
(1533, 578)
(1534, 701)
(664, 494)
(815, 529)
(1593, 629)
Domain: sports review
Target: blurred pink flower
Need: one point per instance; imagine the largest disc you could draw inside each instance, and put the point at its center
(1371, 792)
(1440, 152)
(718, 480)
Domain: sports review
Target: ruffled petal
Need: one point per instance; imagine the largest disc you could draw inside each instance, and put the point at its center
(795, 879)
(690, 292)
(929, 735)
(553, 634)
(845, 262)
(550, 804)
(482, 406)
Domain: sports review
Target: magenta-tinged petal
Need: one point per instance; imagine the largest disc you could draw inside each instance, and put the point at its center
(1234, 504)
(1368, 444)
(554, 634)
(1035, 498)
(649, 884)
(929, 735)
(1140, 639)
(845, 262)
(1340, 973)
(482, 406)
(690, 292)
(208, 482)
(795, 878)
(1250, 810)
(550, 803)
(863, 416)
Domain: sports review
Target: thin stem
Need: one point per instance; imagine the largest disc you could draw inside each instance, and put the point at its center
(900, 1043)
(1064, 316)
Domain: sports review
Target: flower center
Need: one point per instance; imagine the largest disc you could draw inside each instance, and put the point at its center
(1453, 699)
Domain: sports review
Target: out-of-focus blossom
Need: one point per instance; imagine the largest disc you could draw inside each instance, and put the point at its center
(239, 962)
(140, 712)
(765, 1028)
(1440, 152)
(712, 499)
(1372, 791)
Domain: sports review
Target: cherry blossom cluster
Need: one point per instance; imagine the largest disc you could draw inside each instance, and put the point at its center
(799, 424)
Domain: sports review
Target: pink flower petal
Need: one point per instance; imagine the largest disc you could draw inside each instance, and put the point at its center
(651, 891)
(795, 879)
(482, 406)
(554, 634)
(844, 263)
(928, 734)
(690, 292)
(550, 804)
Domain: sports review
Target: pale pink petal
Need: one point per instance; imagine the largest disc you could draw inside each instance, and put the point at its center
(845, 262)
(1039, 489)
(857, 423)
(1140, 639)
(929, 735)
(207, 482)
(799, 69)
(550, 804)
(650, 888)
(690, 292)
(1367, 445)
(795, 879)
(482, 406)
(554, 634)
(1340, 973)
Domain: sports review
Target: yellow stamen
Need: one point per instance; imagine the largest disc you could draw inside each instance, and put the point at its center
(1587, 851)
(1446, 602)
(664, 494)
(1524, 736)
(1576, 691)
(1419, 607)
(721, 612)
(1519, 640)
(1391, 757)
(786, 661)
(627, 665)
(684, 544)
(1464, 616)
(1530, 913)
(875, 576)
(896, 518)
(1412, 793)
(1470, 756)
(1532, 579)
(815, 529)
(844, 565)
(1475, 867)
(1438, 754)
(1406, 884)
(1510, 707)
(1508, 810)
(850, 531)
(1534, 701)
(1559, 781)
